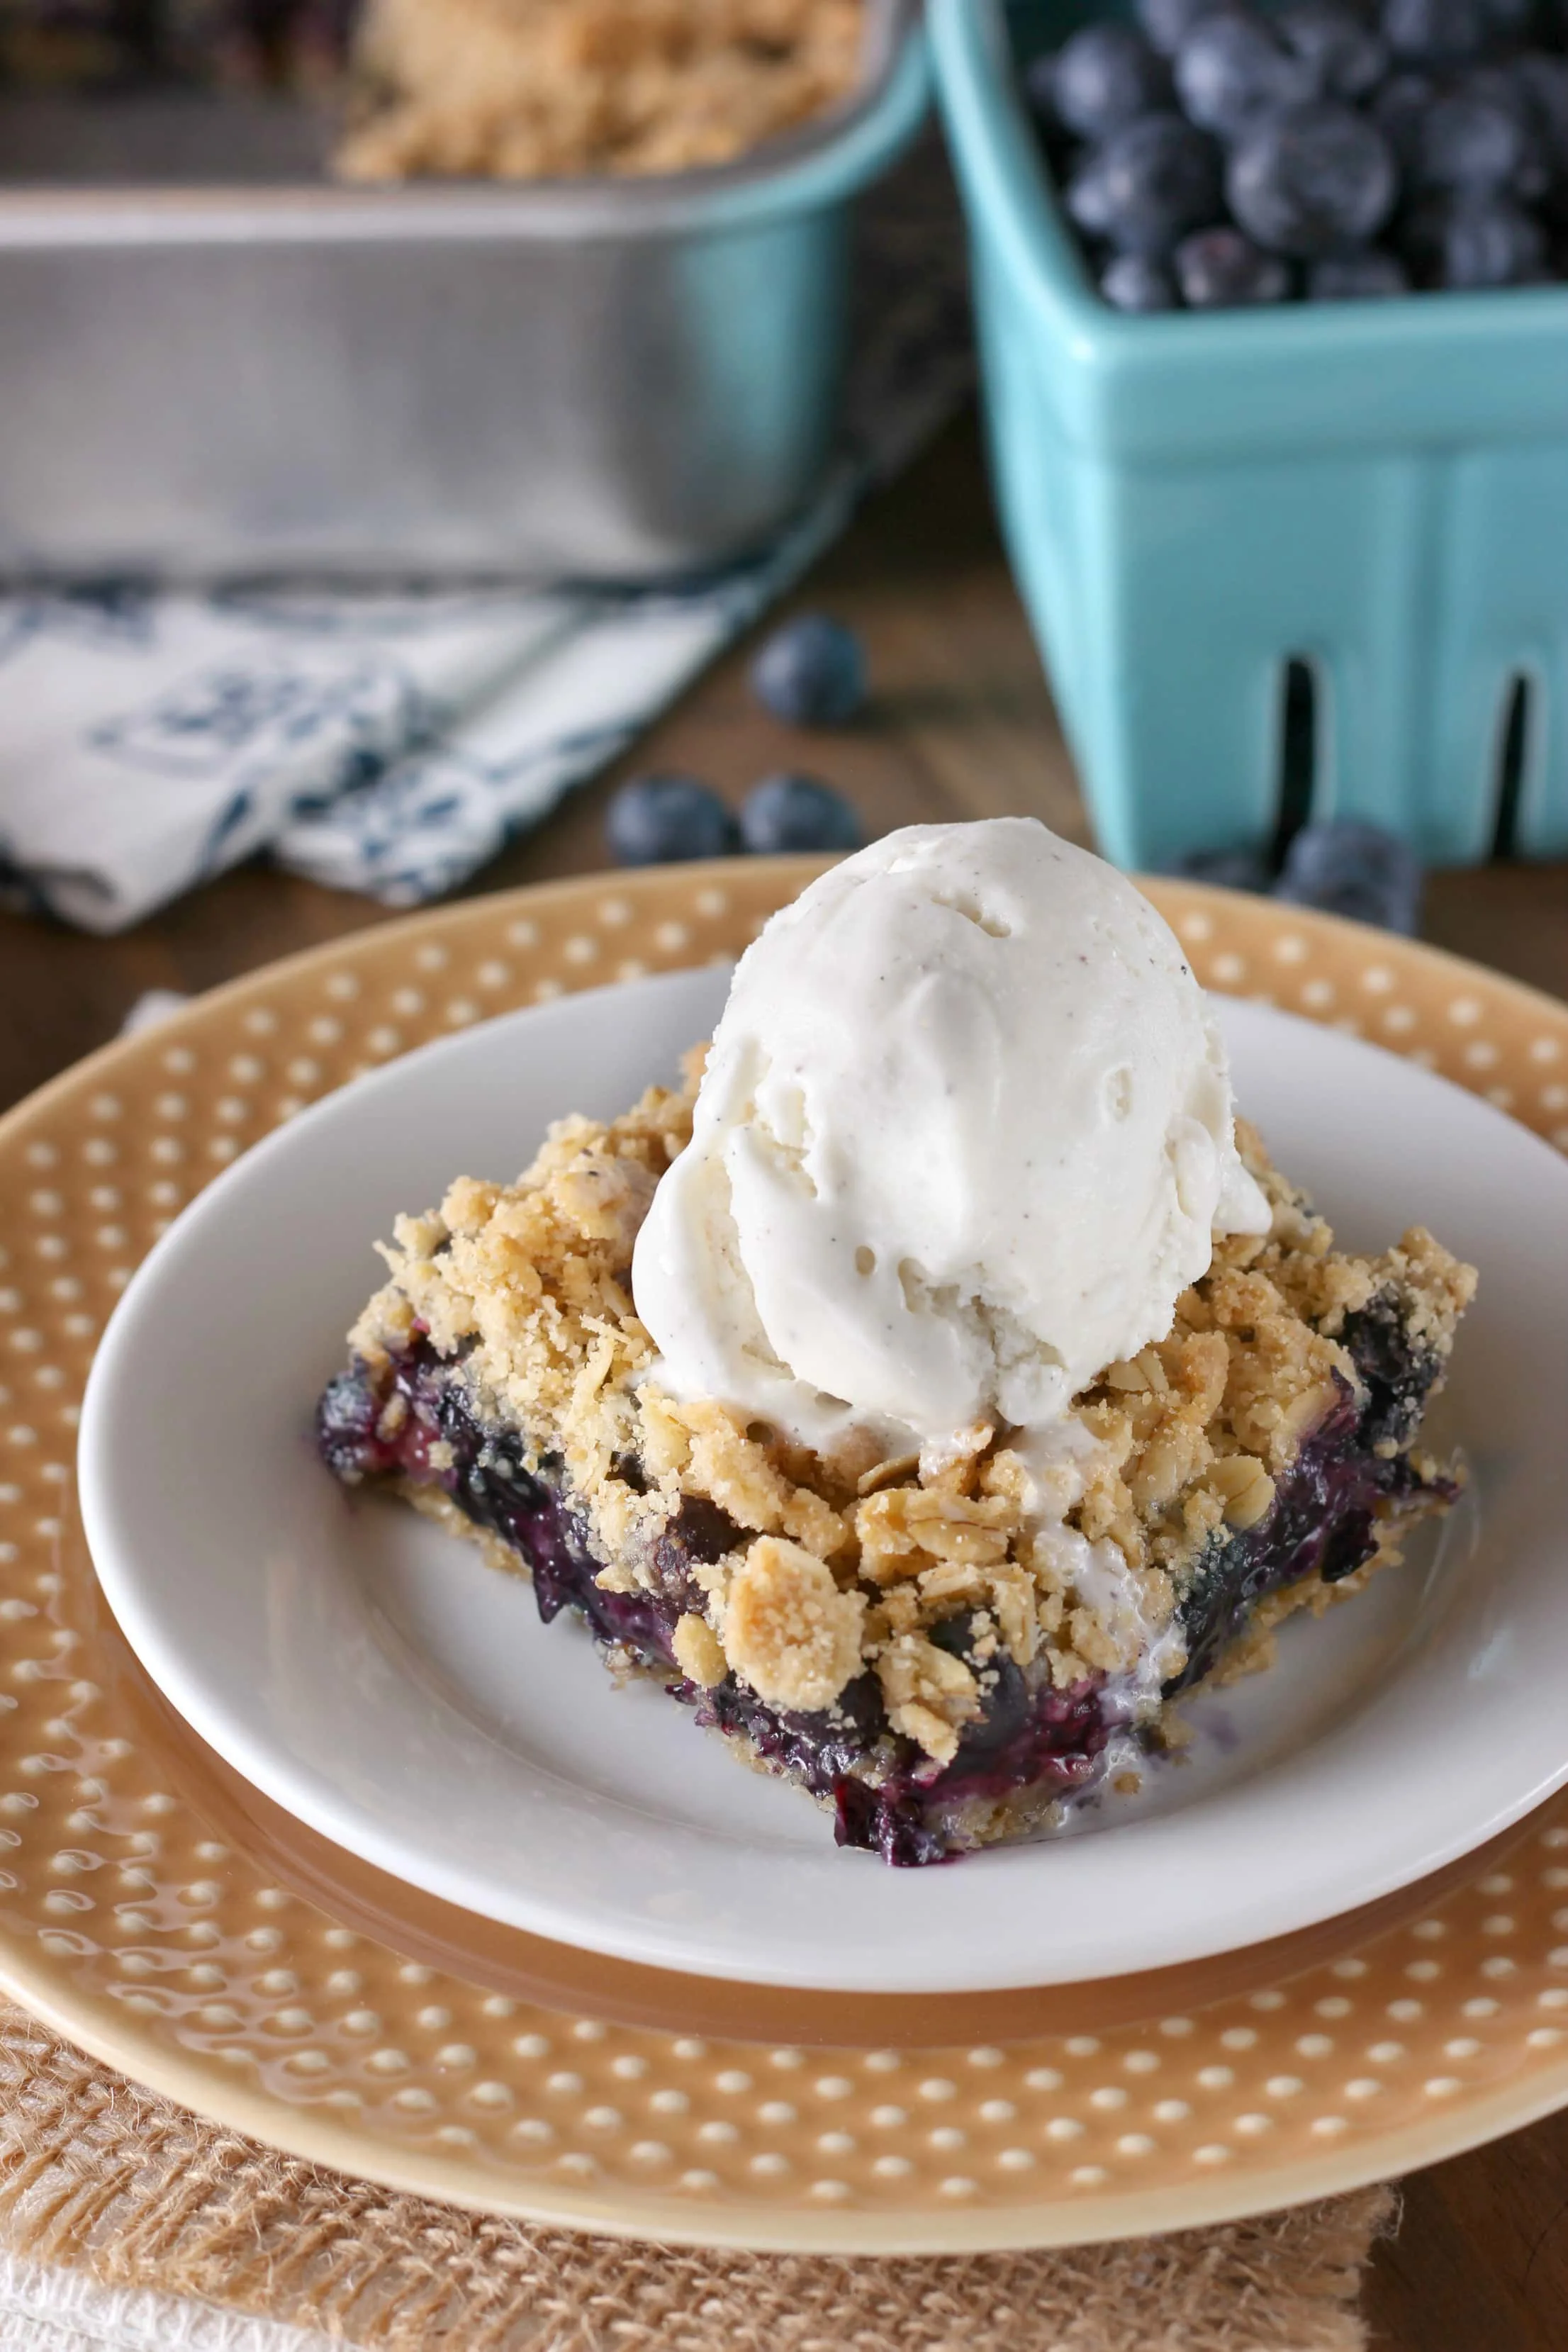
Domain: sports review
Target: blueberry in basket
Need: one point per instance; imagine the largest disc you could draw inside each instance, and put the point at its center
(1540, 82)
(1235, 70)
(1144, 188)
(1222, 154)
(1369, 275)
(1347, 56)
(1220, 269)
(1435, 32)
(1311, 180)
(1105, 76)
(1137, 281)
(1167, 22)
(1474, 137)
(1478, 239)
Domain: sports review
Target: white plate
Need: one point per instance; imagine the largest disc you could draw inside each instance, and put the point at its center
(372, 1675)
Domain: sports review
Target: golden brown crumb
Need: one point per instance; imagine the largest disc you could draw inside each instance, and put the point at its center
(699, 1652)
(788, 1630)
(523, 90)
(928, 1694)
(731, 1468)
(1245, 1489)
(532, 1281)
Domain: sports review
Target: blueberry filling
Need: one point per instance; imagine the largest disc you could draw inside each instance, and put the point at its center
(416, 1421)
(1399, 1378)
(1323, 1522)
(367, 1431)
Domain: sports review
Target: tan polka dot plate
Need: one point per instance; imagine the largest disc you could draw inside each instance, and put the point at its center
(162, 1915)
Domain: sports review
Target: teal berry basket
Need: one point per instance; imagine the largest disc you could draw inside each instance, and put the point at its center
(1349, 517)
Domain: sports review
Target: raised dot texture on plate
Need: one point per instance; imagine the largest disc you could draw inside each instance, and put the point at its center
(1454, 2058)
(211, 1555)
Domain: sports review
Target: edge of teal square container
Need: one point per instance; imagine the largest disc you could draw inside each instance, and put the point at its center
(1412, 455)
(1319, 375)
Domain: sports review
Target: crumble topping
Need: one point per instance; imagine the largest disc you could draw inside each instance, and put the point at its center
(1067, 1559)
(930, 1695)
(523, 90)
(699, 1652)
(788, 1629)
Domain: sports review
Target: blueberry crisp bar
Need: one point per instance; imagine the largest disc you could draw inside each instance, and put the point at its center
(940, 1383)
(944, 1647)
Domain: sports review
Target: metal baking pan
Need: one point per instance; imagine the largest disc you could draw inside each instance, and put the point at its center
(213, 359)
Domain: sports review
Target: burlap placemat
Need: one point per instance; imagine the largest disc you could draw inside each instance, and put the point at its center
(100, 2175)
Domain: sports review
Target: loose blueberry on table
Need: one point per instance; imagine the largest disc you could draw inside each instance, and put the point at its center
(1230, 869)
(665, 820)
(787, 813)
(811, 672)
(1218, 153)
(1342, 865)
(661, 820)
(1347, 867)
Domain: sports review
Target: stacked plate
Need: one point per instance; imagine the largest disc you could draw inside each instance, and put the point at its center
(322, 1831)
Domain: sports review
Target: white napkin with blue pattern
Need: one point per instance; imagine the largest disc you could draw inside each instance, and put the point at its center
(388, 740)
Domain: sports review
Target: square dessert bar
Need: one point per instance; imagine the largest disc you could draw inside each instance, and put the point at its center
(946, 1652)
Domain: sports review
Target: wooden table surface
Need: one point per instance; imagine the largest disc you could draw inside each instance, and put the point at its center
(961, 726)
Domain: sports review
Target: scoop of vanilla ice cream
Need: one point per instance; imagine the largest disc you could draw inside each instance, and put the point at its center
(964, 1137)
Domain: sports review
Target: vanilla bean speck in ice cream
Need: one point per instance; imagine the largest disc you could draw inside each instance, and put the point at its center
(965, 1135)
